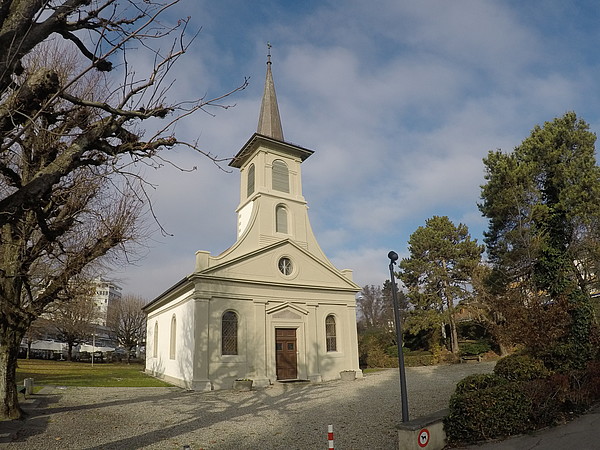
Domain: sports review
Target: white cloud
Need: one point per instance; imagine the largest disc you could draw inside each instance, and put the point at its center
(400, 100)
(369, 265)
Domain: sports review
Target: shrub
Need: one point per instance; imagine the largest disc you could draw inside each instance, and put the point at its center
(448, 358)
(559, 357)
(474, 348)
(472, 330)
(521, 395)
(377, 357)
(392, 351)
(371, 346)
(479, 381)
(520, 368)
(593, 379)
(547, 398)
(584, 387)
(419, 359)
(488, 413)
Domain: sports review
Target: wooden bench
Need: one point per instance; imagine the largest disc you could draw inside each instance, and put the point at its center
(470, 358)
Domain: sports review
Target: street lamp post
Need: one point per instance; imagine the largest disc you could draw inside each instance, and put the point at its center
(393, 256)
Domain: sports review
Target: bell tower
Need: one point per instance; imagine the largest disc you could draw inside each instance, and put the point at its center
(272, 207)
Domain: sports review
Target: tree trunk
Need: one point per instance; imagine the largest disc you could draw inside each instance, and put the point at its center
(9, 351)
(503, 348)
(69, 351)
(450, 305)
(453, 335)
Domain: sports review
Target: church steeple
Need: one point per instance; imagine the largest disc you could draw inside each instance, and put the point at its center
(272, 207)
(269, 122)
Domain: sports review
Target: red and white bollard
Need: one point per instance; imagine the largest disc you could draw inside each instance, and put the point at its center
(330, 436)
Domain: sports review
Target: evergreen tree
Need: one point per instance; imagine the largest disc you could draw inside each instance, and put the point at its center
(438, 271)
(543, 205)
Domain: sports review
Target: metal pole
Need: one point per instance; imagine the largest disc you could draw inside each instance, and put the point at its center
(403, 395)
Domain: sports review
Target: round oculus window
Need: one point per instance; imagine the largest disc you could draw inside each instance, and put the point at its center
(285, 266)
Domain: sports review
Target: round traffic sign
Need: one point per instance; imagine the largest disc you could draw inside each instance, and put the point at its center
(423, 437)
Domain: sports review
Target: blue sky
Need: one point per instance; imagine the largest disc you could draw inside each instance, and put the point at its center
(400, 100)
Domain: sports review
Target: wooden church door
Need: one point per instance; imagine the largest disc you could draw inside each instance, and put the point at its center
(285, 353)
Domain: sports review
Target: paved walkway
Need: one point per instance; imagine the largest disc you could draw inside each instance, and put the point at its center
(365, 415)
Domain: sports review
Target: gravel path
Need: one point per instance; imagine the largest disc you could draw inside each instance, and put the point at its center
(364, 414)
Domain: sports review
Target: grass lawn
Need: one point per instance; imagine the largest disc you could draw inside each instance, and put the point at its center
(64, 373)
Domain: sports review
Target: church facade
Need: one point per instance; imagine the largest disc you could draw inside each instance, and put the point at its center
(272, 306)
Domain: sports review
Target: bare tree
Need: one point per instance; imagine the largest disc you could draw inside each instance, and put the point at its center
(128, 322)
(376, 306)
(370, 305)
(36, 332)
(75, 315)
(70, 190)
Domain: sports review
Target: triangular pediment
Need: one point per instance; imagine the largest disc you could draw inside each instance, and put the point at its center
(294, 311)
(263, 266)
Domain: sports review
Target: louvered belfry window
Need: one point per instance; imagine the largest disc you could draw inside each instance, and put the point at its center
(229, 333)
(281, 219)
(250, 186)
(330, 333)
(281, 177)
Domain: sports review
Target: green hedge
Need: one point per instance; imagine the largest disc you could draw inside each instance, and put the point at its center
(474, 348)
(479, 381)
(419, 360)
(520, 368)
(383, 359)
(520, 395)
(488, 413)
(377, 357)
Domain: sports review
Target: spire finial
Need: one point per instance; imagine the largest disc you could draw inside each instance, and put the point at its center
(269, 122)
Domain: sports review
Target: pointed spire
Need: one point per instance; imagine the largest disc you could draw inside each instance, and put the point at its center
(269, 122)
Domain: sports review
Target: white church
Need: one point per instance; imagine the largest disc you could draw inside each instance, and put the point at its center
(272, 306)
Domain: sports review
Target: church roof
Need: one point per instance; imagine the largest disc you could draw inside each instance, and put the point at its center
(269, 121)
(269, 129)
(257, 139)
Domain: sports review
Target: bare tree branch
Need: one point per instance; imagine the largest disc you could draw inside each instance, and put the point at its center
(71, 150)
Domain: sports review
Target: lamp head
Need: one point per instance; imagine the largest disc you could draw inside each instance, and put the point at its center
(393, 256)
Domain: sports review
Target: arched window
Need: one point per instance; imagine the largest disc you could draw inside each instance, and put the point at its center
(281, 178)
(281, 222)
(330, 333)
(250, 185)
(229, 333)
(155, 343)
(172, 345)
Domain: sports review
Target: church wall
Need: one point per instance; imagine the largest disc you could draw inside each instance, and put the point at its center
(306, 312)
(333, 362)
(224, 369)
(170, 355)
(262, 308)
